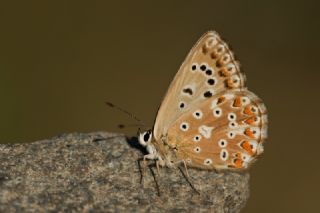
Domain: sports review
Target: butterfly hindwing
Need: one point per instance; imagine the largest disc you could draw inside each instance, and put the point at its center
(225, 131)
(209, 69)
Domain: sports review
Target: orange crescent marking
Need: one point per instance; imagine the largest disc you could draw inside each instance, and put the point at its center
(237, 102)
(249, 133)
(246, 146)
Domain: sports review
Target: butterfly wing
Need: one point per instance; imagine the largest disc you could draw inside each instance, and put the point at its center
(225, 131)
(209, 69)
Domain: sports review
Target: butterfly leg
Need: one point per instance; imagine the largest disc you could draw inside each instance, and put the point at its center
(186, 169)
(158, 167)
(187, 176)
(150, 156)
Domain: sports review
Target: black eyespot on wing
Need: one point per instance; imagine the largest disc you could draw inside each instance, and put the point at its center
(182, 105)
(194, 67)
(203, 67)
(211, 81)
(207, 94)
(209, 72)
(188, 91)
(224, 154)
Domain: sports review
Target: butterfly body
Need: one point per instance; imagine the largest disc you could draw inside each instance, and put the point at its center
(208, 118)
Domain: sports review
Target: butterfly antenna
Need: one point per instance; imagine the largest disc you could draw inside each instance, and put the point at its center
(127, 113)
(122, 126)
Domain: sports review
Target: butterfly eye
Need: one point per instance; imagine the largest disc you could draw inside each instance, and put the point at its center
(197, 149)
(232, 116)
(197, 114)
(184, 126)
(223, 143)
(224, 154)
(207, 161)
(217, 112)
(145, 138)
(197, 138)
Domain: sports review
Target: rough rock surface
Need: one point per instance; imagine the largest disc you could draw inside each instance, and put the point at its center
(99, 172)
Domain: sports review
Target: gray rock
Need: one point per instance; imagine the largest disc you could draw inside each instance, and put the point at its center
(99, 172)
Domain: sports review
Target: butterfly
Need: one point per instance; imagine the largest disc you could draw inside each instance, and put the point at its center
(208, 118)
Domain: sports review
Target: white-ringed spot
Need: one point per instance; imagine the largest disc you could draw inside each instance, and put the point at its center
(194, 67)
(217, 112)
(245, 157)
(220, 49)
(182, 105)
(223, 143)
(197, 138)
(197, 149)
(197, 114)
(211, 42)
(224, 154)
(245, 100)
(203, 67)
(205, 131)
(232, 116)
(231, 68)
(233, 124)
(231, 134)
(184, 126)
(207, 161)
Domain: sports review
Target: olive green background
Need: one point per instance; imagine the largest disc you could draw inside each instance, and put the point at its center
(60, 60)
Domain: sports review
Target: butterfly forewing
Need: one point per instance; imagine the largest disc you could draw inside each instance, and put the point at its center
(224, 131)
(209, 69)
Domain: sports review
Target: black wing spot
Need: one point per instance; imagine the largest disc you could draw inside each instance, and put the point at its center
(203, 67)
(211, 81)
(224, 154)
(207, 94)
(188, 91)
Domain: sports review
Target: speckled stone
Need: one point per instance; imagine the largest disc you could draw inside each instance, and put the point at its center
(99, 172)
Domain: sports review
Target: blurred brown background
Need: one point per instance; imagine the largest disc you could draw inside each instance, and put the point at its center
(60, 60)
